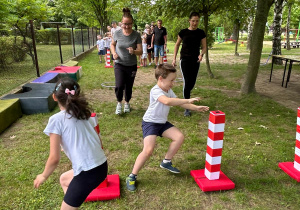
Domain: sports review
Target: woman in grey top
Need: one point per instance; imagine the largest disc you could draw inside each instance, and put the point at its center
(125, 46)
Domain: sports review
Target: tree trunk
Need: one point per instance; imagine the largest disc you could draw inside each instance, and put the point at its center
(288, 47)
(250, 31)
(211, 75)
(263, 7)
(276, 48)
(237, 23)
(235, 33)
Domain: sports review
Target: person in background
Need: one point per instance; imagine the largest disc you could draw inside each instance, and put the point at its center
(125, 46)
(100, 47)
(159, 41)
(190, 56)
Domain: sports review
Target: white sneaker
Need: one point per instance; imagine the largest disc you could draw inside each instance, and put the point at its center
(119, 109)
(150, 64)
(126, 108)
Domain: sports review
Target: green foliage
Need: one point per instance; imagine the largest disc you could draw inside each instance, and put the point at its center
(12, 50)
(49, 36)
(174, 26)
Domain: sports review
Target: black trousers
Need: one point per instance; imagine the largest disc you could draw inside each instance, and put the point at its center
(189, 70)
(124, 76)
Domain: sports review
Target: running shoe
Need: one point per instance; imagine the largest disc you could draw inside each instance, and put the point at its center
(187, 113)
(119, 109)
(169, 167)
(130, 183)
(126, 108)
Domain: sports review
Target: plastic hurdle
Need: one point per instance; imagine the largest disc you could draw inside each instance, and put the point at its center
(212, 178)
(293, 169)
(110, 187)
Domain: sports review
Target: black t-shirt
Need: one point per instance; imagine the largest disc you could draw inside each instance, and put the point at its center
(149, 38)
(159, 34)
(191, 41)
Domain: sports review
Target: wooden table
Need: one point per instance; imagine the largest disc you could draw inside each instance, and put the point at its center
(287, 58)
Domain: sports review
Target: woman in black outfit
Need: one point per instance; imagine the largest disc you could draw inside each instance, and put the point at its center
(190, 57)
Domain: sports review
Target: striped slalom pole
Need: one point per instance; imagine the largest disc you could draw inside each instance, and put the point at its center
(293, 168)
(212, 178)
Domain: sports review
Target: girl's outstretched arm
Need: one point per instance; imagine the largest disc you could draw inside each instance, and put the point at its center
(52, 161)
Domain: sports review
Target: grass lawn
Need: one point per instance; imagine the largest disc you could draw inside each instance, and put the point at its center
(250, 156)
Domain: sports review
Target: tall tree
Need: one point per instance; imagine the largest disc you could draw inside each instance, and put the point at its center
(263, 7)
(19, 13)
(276, 46)
(289, 5)
(250, 31)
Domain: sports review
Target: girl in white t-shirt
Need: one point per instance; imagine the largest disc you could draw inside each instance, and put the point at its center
(72, 130)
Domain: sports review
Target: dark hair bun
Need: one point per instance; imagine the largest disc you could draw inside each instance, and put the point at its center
(126, 10)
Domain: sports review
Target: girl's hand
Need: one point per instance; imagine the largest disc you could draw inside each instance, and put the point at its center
(40, 179)
(202, 108)
(174, 62)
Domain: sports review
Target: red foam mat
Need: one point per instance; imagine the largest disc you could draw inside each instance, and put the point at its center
(112, 191)
(206, 185)
(288, 167)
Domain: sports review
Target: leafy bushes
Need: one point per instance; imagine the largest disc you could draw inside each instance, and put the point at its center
(49, 35)
(12, 50)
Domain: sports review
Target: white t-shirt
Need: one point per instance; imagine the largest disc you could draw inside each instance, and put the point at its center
(100, 44)
(107, 42)
(79, 141)
(113, 30)
(157, 112)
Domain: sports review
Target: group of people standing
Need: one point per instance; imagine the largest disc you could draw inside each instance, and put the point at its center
(72, 130)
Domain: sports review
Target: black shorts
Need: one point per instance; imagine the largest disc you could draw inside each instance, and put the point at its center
(150, 50)
(83, 184)
(157, 129)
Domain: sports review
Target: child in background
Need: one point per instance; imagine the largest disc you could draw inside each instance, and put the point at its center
(100, 47)
(72, 130)
(145, 53)
(107, 40)
(155, 122)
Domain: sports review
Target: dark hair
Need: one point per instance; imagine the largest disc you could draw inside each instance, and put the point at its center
(194, 14)
(114, 22)
(126, 13)
(164, 70)
(159, 20)
(75, 105)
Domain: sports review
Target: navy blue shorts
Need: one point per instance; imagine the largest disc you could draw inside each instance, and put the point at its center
(157, 129)
(101, 52)
(83, 184)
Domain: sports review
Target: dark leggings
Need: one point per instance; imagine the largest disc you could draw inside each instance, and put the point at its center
(189, 70)
(83, 184)
(124, 76)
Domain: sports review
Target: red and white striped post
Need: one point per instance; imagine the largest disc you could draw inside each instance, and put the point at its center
(165, 57)
(212, 178)
(293, 169)
(107, 63)
(216, 127)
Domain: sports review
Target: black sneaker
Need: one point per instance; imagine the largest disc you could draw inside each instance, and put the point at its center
(169, 167)
(187, 113)
(130, 183)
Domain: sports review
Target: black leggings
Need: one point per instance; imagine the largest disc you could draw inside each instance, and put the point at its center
(189, 70)
(124, 76)
(83, 184)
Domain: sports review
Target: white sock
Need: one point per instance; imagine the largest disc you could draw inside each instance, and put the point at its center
(166, 160)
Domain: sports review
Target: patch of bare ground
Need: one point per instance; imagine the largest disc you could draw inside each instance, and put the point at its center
(288, 97)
